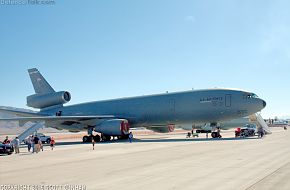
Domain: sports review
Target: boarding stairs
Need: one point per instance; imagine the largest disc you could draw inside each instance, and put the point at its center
(33, 129)
(258, 119)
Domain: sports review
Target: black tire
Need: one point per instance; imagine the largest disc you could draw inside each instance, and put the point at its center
(123, 137)
(214, 135)
(48, 141)
(85, 139)
(106, 137)
(97, 138)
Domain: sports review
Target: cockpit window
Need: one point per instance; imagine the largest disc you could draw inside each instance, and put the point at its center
(254, 96)
(249, 96)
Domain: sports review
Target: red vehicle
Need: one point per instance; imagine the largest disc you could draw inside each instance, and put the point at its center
(245, 132)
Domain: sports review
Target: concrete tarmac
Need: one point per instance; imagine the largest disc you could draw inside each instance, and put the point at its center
(157, 162)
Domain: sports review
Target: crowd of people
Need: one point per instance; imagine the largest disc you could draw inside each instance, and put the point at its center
(34, 144)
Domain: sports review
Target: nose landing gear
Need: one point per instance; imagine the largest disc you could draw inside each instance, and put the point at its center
(216, 132)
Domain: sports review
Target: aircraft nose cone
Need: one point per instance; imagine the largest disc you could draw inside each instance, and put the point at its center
(264, 104)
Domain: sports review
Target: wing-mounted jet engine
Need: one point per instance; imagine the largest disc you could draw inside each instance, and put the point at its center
(108, 129)
(114, 127)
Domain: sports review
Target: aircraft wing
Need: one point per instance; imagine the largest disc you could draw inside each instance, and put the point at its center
(18, 112)
(62, 122)
(34, 116)
(58, 118)
(29, 116)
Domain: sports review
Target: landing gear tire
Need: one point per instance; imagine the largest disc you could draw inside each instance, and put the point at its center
(86, 139)
(97, 138)
(214, 135)
(123, 137)
(106, 137)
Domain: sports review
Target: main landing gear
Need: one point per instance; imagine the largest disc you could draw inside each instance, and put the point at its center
(87, 138)
(216, 135)
(103, 137)
(108, 137)
(91, 136)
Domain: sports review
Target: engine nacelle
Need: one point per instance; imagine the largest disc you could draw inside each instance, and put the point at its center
(41, 101)
(114, 127)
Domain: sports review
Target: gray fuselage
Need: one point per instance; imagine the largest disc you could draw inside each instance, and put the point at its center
(197, 106)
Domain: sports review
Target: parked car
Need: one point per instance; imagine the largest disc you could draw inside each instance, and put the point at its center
(247, 131)
(6, 148)
(252, 128)
(42, 137)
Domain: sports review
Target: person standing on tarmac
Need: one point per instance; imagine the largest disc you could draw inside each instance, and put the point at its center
(6, 141)
(32, 144)
(16, 145)
(130, 137)
(52, 143)
(260, 132)
(40, 145)
(93, 143)
(29, 143)
(36, 144)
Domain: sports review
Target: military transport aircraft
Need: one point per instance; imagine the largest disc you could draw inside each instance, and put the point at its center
(115, 117)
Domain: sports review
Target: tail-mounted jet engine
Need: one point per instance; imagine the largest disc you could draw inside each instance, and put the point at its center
(41, 101)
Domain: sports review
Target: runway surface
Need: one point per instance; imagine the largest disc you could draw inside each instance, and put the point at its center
(158, 162)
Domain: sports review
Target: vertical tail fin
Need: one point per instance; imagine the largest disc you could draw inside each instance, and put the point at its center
(41, 86)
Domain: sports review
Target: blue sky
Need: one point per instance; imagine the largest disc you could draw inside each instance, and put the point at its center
(109, 49)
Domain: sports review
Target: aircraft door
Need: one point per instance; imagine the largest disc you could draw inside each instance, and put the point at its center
(228, 100)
